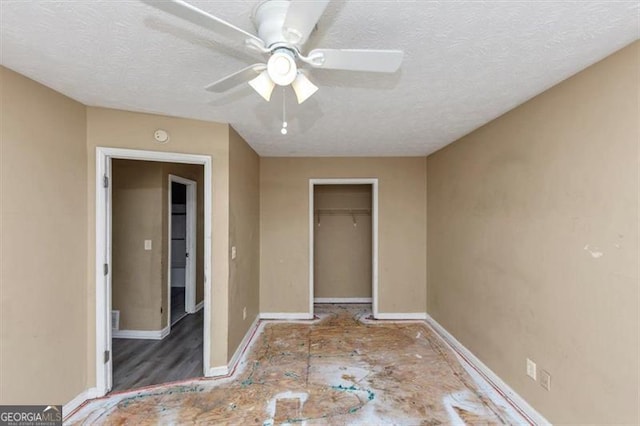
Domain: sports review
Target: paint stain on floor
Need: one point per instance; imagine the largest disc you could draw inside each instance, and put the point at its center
(341, 369)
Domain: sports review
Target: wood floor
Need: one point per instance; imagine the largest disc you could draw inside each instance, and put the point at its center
(138, 363)
(177, 304)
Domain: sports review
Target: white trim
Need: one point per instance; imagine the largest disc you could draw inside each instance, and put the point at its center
(103, 249)
(103, 283)
(244, 343)
(191, 237)
(223, 370)
(402, 316)
(80, 399)
(342, 300)
(199, 306)
(92, 393)
(141, 334)
(285, 316)
(374, 230)
(509, 394)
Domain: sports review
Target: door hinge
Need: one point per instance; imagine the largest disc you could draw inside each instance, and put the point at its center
(106, 268)
(105, 181)
(107, 356)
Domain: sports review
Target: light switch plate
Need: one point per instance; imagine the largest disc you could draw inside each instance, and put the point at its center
(531, 369)
(147, 245)
(234, 252)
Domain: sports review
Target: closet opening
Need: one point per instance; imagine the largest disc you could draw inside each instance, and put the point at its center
(343, 249)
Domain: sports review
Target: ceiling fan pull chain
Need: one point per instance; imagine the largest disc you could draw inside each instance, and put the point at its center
(284, 114)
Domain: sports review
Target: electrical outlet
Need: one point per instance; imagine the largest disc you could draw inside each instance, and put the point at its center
(531, 369)
(545, 379)
(244, 313)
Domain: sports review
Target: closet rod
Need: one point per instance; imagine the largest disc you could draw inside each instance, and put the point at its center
(343, 211)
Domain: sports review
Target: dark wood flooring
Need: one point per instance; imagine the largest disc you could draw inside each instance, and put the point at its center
(177, 304)
(138, 363)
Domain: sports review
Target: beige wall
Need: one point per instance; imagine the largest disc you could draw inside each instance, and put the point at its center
(139, 276)
(533, 243)
(43, 228)
(244, 234)
(284, 228)
(122, 129)
(342, 249)
(140, 212)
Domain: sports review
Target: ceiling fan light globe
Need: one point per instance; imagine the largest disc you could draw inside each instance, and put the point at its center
(282, 68)
(303, 88)
(263, 85)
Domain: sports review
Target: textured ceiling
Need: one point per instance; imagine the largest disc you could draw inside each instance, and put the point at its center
(465, 64)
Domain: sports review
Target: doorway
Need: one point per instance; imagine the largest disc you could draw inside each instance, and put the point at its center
(343, 234)
(104, 257)
(182, 247)
(147, 234)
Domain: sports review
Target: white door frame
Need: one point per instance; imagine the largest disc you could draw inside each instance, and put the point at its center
(103, 251)
(374, 233)
(190, 267)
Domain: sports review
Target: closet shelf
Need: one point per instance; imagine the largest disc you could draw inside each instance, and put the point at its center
(343, 212)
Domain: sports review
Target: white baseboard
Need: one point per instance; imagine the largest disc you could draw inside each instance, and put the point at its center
(342, 300)
(199, 306)
(225, 370)
(401, 316)
(141, 334)
(80, 399)
(246, 341)
(508, 393)
(286, 315)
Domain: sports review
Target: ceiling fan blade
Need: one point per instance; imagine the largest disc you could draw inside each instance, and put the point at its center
(356, 59)
(232, 80)
(201, 18)
(302, 17)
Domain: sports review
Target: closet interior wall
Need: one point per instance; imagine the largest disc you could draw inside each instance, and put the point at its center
(342, 241)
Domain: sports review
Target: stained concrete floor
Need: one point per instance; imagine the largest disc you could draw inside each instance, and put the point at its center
(340, 369)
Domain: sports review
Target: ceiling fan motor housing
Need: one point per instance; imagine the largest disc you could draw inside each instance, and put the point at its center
(269, 17)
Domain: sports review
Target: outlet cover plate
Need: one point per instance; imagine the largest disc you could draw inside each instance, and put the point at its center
(545, 380)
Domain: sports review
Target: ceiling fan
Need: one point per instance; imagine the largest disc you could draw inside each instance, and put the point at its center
(283, 28)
